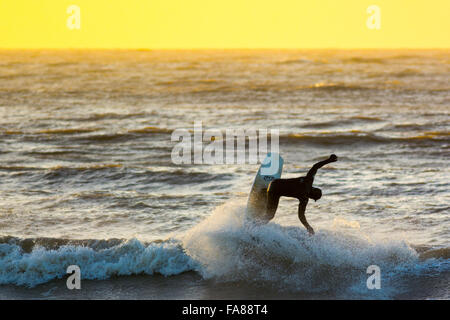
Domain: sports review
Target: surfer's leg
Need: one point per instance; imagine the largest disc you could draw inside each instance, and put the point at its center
(273, 198)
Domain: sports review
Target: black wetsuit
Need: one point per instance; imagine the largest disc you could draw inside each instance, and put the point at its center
(300, 188)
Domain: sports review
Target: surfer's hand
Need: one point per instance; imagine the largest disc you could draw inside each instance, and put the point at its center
(310, 230)
(333, 158)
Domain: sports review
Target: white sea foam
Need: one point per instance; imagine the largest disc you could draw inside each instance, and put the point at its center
(131, 257)
(226, 247)
(230, 249)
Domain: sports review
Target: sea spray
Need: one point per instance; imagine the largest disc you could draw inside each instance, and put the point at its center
(229, 248)
(225, 247)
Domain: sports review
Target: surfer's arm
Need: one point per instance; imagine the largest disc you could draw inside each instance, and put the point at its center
(312, 172)
(301, 215)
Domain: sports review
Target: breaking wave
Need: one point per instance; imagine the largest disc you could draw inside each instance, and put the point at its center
(285, 257)
(117, 258)
(226, 247)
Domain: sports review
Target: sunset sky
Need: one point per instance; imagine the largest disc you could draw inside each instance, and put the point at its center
(224, 24)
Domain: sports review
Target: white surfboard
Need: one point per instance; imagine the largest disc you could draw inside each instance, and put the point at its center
(269, 170)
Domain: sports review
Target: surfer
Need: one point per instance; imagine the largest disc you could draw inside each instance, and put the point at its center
(300, 188)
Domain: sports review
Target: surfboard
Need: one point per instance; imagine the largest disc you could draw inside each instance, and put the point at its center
(269, 170)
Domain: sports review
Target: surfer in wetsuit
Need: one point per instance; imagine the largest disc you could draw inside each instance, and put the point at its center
(300, 188)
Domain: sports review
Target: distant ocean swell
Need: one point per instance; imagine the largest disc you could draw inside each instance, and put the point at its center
(350, 137)
(316, 138)
(114, 173)
(224, 248)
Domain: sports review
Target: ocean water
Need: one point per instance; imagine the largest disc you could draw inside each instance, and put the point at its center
(86, 175)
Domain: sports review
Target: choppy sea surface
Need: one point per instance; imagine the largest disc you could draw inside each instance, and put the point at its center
(86, 175)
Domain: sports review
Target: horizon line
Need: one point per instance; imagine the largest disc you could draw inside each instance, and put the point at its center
(225, 48)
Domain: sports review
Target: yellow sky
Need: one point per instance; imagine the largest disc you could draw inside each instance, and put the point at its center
(224, 24)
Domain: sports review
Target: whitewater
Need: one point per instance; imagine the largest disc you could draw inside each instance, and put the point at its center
(227, 247)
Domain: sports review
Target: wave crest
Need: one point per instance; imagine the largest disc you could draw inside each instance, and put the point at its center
(127, 258)
(227, 247)
(231, 249)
